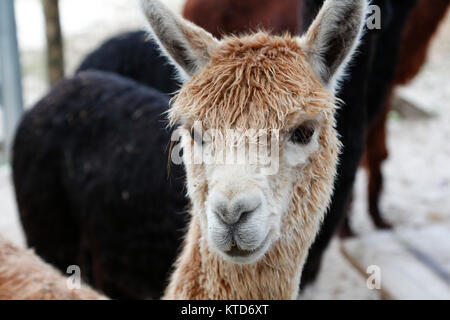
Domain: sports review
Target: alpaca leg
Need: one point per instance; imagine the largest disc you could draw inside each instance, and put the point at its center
(376, 153)
(346, 230)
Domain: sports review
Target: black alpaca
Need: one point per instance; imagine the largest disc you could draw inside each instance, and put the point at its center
(134, 56)
(364, 93)
(90, 169)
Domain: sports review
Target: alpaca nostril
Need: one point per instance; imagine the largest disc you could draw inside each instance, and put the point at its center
(238, 210)
(226, 216)
(245, 214)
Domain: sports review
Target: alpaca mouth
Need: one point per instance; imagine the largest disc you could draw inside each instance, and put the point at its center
(236, 252)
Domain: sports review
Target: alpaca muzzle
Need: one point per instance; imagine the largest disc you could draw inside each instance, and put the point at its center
(238, 228)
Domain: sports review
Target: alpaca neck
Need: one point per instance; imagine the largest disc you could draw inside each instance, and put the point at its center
(202, 274)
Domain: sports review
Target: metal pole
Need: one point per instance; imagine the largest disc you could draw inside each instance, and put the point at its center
(10, 76)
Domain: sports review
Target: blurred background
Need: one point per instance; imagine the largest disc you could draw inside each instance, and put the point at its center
(417, 188)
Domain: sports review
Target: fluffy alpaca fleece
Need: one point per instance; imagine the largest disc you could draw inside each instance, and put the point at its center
(274, 73)
(98, 144)
(252, 76)
(23, 276)
(256, 82)
(133, 56)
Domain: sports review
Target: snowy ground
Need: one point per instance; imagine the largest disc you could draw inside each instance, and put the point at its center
(417, 187)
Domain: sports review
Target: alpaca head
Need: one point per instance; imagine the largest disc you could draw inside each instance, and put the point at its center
(258, 90)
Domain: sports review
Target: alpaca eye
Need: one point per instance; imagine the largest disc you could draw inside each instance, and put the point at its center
(303, 134)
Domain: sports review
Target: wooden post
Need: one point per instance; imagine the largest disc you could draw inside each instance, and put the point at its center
(55, 51)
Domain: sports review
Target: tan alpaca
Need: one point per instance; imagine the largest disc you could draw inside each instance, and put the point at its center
(24, 276)
(250, 233)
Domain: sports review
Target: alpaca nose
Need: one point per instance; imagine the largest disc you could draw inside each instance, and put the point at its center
(237, 210)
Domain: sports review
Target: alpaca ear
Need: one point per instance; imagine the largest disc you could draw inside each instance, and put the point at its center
(187, 46)
(333, 37)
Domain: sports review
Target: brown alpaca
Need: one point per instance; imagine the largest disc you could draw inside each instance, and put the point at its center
(419, 31)
(250, 233)
(24, 276)
(235, 16)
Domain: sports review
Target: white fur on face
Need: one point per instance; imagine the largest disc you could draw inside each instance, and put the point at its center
(232, 186)
(296, 155)
(264, 199)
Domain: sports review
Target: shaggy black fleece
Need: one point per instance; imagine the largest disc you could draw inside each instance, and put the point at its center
(364, 92)
(90, 169)
(133, 55)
